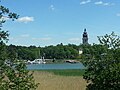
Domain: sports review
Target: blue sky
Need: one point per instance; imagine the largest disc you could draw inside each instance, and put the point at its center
(50, 22)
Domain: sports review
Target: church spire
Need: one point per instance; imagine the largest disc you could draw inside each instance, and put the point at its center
(85, 37)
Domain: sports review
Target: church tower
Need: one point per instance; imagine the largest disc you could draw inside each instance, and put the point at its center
(85, 37)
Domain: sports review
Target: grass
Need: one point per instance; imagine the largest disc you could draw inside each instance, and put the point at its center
(66, 72)
(60, 79)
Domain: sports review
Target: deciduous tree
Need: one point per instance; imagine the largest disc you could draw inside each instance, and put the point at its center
(103, 68)
(13, 73)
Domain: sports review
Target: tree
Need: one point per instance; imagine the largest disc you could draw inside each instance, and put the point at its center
(103, 68)
(13, 73)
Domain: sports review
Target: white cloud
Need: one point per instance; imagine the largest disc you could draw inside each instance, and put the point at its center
(85, 2)
(4, 18)
(25, 19)
(104, 3)
(74, 39)
(45, 39)
(25, 35)
(98, 3)
(12, 39)
(52, 8)
(118, 14)
(42, 39)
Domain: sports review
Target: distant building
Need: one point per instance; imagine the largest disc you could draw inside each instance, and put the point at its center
(85, 37)
(80, 51)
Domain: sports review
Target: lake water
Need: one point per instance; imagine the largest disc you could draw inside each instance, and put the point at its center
(55, 66)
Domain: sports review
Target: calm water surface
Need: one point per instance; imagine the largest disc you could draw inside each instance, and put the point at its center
(55, 66)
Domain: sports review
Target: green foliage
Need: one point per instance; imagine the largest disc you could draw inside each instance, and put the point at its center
(50, 52)
(103, 64)
(13, 73)
(60, 52)
(19, 77)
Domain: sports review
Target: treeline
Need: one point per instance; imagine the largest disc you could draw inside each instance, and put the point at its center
(59, 51)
